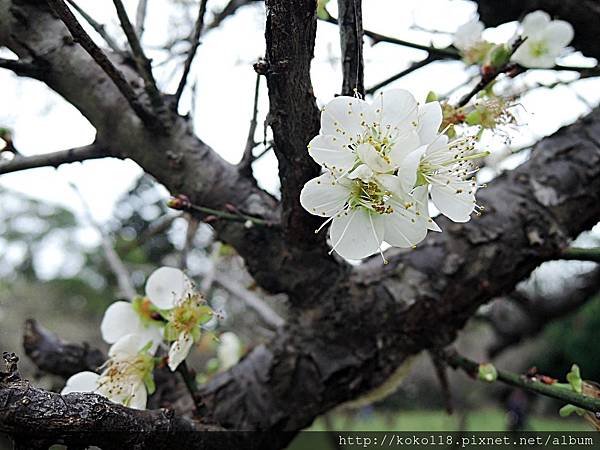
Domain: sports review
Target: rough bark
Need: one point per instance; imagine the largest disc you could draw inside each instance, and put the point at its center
(53, 355)
(295, 119)
(582, 14)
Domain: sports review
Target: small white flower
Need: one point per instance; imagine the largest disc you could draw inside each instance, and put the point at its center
(122, 318)
(447, 167)
(379, 135)
(127, 375)
(229, 350)
(546, 40)
(185, 310)
(468, 35)
(364, 212)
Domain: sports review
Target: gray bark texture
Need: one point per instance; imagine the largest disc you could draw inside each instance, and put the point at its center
(350, 328)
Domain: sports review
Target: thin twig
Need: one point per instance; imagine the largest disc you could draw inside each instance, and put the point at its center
(192, 53)
(141, 61)
(414, 66)
(64, 13)
(532, 384)
(182, 203)
(140, 18)
(54, 159)
(98, 27)
(490, 75)
(228, 10)
(447, 53)
(264, 311)
(21, 68)
(112, 258)
(581, 254)
(245, 165)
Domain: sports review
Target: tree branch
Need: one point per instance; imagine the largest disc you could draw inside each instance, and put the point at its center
(250, 299)
(229, 10)
(64, 13)
(414, 66)
(295, 120)
(51, 354)
(523, 315)
(443, 53)
(245, 165)
(21, 68)
(195, 43)
(98, 28)
(55, 159)
(351, 40)
(532, 384)
(142, 63)
(37, 419)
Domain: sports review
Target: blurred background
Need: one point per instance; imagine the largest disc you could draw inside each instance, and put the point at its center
(56, 224)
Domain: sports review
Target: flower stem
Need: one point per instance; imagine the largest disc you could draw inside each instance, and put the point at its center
(190, 382)
(582, 254)
(532, 384)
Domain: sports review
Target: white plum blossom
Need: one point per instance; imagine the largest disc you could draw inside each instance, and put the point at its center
(136, 317)
(184, 310)
(126, 377)
(468, 35)
(545, 40)
(361, 146)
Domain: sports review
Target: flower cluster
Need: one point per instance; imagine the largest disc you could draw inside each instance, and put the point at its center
(382, 161)
(544, 40)
(171, 311)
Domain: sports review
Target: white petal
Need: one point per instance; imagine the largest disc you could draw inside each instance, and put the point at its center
(468, 34)
(324, 196)
(81, 382)
(373, 158)
(396, 109)
(421, 198)
(456, 206)
(392, 183)
(404, 143)
(139, 397)
(329, 152)
(356, 234)
(437, 147)
(343, 116)
(362, 172)
(403, 228)
(527, 56)
(559, 34)
(119, 319)
(430, 119)
(179, 350)
(534, 23)
(407, 171)
(166, 286)
(128, 346)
